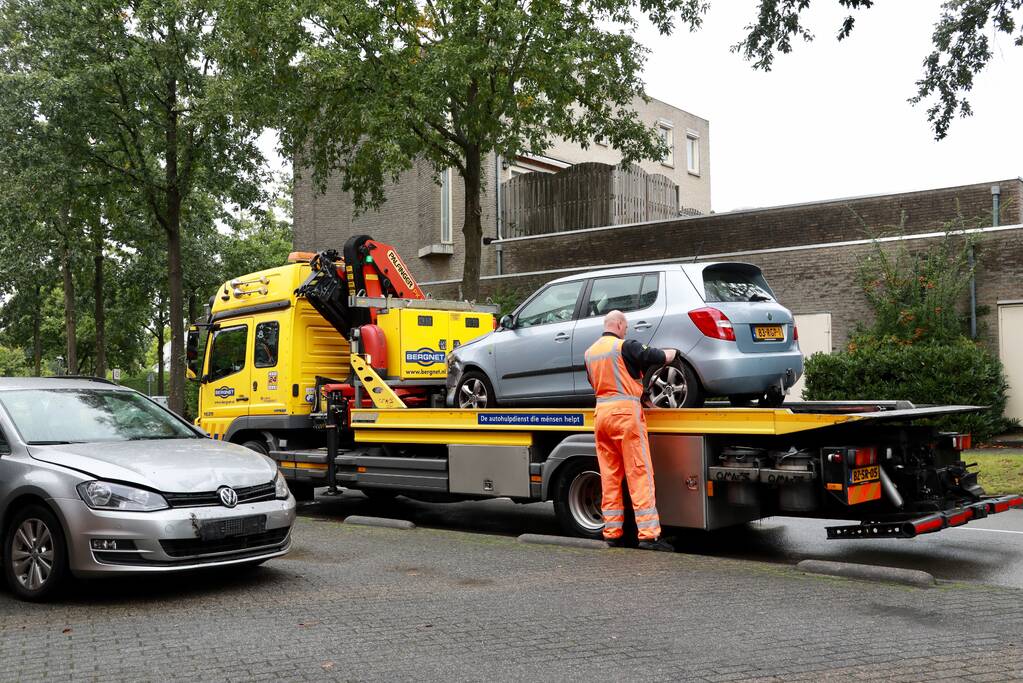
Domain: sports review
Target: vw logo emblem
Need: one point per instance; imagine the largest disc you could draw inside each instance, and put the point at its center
(228, 496)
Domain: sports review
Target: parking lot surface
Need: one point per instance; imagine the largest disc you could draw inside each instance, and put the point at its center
(363, 603)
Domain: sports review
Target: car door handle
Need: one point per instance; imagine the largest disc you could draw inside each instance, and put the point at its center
(561, 336)
(242, 398)
(642, 325)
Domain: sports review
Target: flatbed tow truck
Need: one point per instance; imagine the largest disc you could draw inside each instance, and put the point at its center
(868, 463)
(334, 365)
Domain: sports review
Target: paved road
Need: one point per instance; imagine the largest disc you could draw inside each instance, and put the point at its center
(986, 551)
(358, 603)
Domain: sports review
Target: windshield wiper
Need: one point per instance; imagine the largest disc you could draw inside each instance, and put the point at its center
(51, 443)
(159, 438)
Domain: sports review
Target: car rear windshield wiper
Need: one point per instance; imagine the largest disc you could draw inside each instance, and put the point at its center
(759, 297)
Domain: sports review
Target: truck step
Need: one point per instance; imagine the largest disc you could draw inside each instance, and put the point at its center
(927, 524)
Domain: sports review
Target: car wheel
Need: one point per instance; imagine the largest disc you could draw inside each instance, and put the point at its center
(475, 391)
(743, 400)
(577, 495)
(673, 386)
(35, 554)
(257, 445)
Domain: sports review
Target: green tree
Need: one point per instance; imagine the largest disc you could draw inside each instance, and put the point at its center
(368, 88)
(141, 78)
(962, 46)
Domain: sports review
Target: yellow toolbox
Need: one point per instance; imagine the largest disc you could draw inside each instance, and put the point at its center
(419, 340)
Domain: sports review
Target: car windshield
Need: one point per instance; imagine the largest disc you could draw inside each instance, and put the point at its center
(734, 282)
(57, 416)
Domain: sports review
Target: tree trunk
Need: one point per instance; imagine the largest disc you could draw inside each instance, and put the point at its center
(71, 361)
(160, 327)
(37, 337)
(176, 312)
(97, 292)
(472, 227)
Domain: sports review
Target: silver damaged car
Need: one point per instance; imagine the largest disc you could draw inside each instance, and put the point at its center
(98, 480)
(735, 340)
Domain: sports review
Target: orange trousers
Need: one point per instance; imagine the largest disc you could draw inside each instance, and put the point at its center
(624, 452)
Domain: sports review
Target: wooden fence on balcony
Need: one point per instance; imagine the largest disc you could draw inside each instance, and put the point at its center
(586, 195)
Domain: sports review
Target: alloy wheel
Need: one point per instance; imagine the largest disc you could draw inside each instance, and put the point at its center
(584, 501)
(32, 554)
(473, 394)
(669, 388)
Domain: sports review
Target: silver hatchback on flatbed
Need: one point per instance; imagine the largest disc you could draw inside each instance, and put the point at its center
(96, 479)
(735, 340)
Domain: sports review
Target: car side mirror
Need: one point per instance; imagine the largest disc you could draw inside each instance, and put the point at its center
(507, 322)
(192, 353)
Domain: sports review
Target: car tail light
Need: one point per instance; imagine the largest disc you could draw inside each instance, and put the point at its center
(863, 456)
(795, 332)
(713, 323)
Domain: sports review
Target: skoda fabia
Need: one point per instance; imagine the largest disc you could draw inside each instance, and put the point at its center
(97, 479)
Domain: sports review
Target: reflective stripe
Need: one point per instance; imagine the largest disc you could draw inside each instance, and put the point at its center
(648, 524)
(646, 454)
(614, 367)
(613, 512)
(646, 511)
(613, 525)
(599, 356)
(617, 397)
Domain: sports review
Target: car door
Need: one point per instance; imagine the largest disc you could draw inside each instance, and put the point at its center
(534, 357)
(269, 383)
(640, 296)
(226, 389)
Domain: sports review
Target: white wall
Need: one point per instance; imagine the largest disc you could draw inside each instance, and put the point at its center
(814, 337)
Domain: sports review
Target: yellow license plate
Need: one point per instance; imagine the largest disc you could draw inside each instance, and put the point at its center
(862, 474)
(768, 332)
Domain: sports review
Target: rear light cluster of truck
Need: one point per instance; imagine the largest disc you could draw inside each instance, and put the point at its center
(861, 457)
(713, 323)
(962, 442)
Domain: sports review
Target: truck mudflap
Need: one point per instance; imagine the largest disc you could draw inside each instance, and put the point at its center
(927, 524)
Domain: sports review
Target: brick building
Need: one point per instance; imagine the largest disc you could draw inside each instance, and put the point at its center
(423, 214)
(810, 254)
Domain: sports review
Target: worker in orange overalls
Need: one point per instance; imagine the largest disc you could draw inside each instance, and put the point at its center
(615, 367)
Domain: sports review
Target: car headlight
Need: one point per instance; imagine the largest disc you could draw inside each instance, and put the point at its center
(280, 487)
(105, 495)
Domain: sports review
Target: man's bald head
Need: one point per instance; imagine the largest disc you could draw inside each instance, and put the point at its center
(615, 322)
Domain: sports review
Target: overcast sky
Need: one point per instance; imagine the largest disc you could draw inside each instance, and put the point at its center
(831, 119)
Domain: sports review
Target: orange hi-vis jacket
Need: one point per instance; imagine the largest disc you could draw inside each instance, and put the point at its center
(622, 447)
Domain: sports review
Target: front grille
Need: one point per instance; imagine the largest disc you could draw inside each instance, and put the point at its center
(193, 546)
(247, 494)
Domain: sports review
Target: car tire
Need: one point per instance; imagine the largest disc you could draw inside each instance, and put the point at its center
(257, 445)
(303, 491)
(35, 554)
(674, 385)
(577, 496)
(475, 391)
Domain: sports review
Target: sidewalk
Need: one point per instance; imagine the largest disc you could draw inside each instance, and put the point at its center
(357, 603)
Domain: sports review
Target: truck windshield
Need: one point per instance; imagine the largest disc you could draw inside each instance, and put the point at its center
(57, 416)
(735, 282)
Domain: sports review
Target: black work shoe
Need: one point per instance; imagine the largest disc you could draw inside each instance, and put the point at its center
(615, 542)
(659, 545)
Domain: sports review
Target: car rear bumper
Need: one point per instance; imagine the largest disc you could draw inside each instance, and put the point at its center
(726, 371)
(168, 540)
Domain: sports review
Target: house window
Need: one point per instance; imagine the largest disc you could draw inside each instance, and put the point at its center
(445, 207)
(664, 131)
(693, 153)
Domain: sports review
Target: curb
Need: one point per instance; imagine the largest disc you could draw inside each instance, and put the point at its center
(380, 521)
(907, 577)
(566, 541)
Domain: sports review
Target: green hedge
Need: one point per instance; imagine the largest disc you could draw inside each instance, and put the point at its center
(961, 373)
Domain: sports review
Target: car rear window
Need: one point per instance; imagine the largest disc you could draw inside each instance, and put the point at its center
(735, 282)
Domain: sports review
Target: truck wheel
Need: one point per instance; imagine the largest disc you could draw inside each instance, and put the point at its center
(35, 554)
(577, 498)
(475, 391)
(257, 445)
(673, 386)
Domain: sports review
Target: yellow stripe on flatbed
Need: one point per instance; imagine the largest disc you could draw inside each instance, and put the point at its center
(434, 423)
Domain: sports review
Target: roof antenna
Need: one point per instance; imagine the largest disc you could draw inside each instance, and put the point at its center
(696, 254)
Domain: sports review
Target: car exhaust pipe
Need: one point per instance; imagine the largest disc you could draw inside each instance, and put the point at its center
(889, 490)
